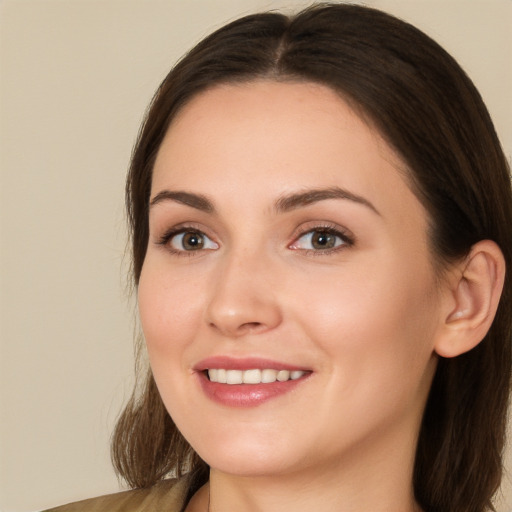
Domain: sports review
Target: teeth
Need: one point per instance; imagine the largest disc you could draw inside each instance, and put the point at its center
(268, 376)
(254, 376)
(283, 375)
(221, 376)
(234, 377)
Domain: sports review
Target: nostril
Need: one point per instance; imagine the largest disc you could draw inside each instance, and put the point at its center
(239, 316)
(242, 328)
(251, 326)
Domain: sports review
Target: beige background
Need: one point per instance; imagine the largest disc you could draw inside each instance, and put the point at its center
(75, 79)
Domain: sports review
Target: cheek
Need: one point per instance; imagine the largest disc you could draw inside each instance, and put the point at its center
(376, 333)
(169, 308)
(169, 314)
(380, 317)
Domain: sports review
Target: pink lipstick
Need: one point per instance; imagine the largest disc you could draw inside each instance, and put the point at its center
(247, 382)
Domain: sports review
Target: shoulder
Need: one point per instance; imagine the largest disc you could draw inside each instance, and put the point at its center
(166, 495)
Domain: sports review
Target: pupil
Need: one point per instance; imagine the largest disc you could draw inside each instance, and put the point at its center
(192, 241)
(323, 240)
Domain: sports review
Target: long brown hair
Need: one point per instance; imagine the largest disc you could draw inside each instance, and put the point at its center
(429, 111)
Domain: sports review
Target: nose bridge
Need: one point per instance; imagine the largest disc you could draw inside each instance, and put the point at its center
(243, 298)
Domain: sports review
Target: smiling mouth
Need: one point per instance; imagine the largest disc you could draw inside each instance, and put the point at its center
(253, 376)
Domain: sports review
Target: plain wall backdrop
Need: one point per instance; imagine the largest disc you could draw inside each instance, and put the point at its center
(75, 78)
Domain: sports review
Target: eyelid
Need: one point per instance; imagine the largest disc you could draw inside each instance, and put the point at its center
(344, 234)
(178, 238)
(182, 228)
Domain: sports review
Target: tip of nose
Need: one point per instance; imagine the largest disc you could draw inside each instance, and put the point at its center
(238, 316)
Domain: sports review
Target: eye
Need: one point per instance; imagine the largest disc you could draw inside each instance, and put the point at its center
(321, 239)
(189, 240)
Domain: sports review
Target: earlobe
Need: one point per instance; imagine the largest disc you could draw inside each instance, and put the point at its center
(476, 293)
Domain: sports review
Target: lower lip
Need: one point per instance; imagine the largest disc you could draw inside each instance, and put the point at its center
(246, 395)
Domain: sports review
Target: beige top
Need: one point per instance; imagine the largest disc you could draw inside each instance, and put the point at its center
(165, 496)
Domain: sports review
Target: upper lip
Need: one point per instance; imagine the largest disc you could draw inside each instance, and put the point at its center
(246, 363)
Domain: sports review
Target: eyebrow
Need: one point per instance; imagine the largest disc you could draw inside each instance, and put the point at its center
(197, 201)
(283, 204)
(293, 201)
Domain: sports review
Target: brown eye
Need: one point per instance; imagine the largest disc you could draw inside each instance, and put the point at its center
(323, 240)
(191, 241)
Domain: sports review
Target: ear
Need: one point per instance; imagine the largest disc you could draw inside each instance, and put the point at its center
(475, 289)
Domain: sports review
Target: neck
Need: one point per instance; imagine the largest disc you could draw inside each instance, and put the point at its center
(268, 495)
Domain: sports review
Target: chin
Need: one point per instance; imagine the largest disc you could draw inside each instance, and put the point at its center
(245, 467)
(246, 458)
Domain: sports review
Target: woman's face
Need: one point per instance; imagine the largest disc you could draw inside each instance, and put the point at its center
(285, 244)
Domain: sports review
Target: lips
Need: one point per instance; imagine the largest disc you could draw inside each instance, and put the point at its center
(246, 363)
(247, 382)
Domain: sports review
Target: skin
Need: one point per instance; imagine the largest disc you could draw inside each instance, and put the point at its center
(364, 318)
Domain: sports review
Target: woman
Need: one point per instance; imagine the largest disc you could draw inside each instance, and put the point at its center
(320, 214)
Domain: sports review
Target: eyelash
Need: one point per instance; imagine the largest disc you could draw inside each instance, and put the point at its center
(166, 238)
(344, 235)
(346, 238)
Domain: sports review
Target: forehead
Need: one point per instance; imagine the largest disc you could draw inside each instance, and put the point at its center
(260, 104)
(267, 138)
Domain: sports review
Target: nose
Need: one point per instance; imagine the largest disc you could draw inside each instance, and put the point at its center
(244, 298)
